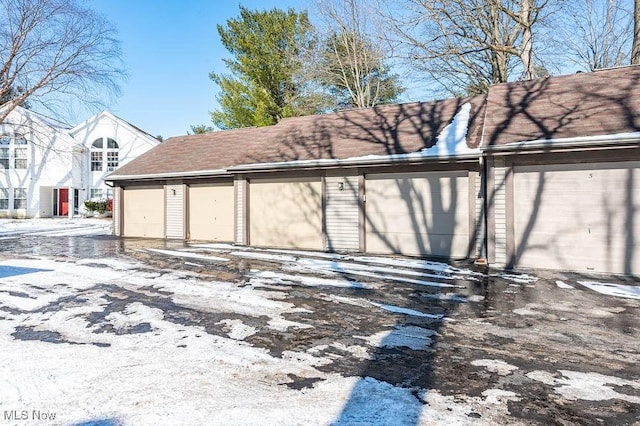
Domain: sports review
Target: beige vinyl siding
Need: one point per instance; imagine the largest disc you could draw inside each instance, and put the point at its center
(144, 212)
(342, 224)
(579, 217)
(418, 213)
(175, 196)
(211, 215)
(286, 213)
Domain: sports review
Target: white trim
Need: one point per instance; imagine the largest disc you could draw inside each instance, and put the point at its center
(355, 161)
(197, 173)
(580, 141)
(149, 139)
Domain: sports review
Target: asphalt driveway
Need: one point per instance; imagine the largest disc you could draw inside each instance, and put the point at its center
(116, 331)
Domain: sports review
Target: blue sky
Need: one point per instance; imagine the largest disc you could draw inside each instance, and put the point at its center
(169, 48)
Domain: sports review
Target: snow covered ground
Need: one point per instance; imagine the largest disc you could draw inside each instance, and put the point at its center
(54, 227)
(219, 334)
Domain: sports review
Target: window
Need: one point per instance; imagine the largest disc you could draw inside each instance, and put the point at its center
(95, 193)
(4, 158)
(112, 155)
(112, 160)
(19, 198)
(101, 152)
(13, 144)
(20, 158)
(4, 199)
(96, 161)
(19, 139)
(96, 155)
(101, 193)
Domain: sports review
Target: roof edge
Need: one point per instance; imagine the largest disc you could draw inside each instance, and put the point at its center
(363, 161)
(578, 142)
(177, 175)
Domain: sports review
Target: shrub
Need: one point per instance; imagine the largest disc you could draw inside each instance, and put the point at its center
(99, 206)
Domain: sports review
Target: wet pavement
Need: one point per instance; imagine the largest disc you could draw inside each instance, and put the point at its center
(516, 348)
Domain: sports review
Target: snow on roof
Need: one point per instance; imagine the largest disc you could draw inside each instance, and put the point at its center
(450, 142)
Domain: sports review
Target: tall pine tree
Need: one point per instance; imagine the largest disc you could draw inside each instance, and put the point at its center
(261, 87)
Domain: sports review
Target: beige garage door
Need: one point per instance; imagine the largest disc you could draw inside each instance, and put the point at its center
(286, 213)
(418, 214)
(211, 212)
(143, 212)
(578, 217)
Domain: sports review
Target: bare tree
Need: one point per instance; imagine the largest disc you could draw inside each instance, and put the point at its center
(51, 50)
(595, 33)
(466, 45)
(635, 51)
(351, 63)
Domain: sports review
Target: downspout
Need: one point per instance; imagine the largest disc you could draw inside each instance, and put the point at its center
(484, 188)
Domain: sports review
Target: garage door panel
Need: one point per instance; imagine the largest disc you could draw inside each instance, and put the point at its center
(419, 214)
(578, 217)
(211, 212)
(143, 212)
(286, 214)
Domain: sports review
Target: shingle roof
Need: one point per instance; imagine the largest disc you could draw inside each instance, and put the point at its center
(584, 104)
(389, 129)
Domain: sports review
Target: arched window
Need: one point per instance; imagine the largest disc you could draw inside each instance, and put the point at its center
(96, 155)
(101, 152)
(112, 155)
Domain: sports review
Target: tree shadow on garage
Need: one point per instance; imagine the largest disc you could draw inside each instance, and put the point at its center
(540, 110)
(390, 131)
(576, 106)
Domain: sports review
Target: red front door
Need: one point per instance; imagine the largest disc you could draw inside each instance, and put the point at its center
(63, 201)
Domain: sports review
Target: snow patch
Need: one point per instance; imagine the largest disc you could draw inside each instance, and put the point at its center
(134, 314)
(269, 277)
(406, 311)
(501, 368)
(413, 337)
(563, 285)
(188, 255)
(576, 385)
(518, 278)
(237, 330)
(617, 290)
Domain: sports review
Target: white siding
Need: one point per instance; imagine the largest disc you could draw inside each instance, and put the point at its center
(240, 210)
(342, 213)
(479, 215)
(117, 211)
(500, 213)
(174, 196)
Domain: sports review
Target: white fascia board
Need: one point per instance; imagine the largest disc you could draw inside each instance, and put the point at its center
(574, 142)
(172, 175)
(373, 160)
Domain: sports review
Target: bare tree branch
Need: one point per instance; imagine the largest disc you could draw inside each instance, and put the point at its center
(53, 50)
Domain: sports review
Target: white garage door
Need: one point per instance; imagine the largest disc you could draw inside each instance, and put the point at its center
(418, 214)
(578, 217)
(143, 212)
(211, 212)
(286, 213)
